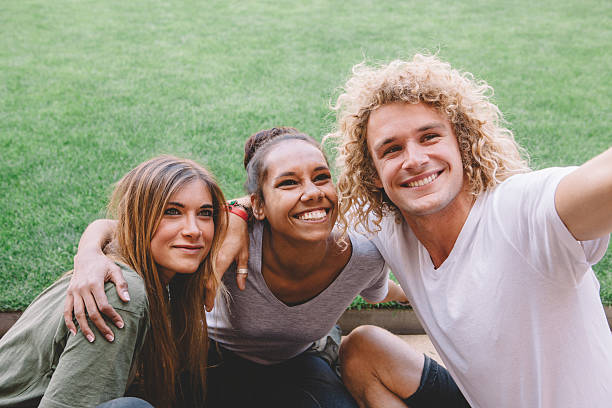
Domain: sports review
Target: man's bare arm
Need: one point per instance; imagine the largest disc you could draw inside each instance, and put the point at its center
(584, 198)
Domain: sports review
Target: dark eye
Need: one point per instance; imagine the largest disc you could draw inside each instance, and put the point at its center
(171, 211)
(430, 136)
(391, 149)
(286, 183)
(206, 212)
(322, 177)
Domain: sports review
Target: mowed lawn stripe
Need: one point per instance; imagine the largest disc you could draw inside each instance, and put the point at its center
(90, 89)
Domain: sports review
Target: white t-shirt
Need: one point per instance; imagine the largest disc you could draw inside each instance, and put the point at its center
(514, 311)
(257, 326)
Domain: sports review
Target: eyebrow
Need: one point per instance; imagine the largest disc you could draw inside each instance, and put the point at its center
(177, 204)
(433, 125)
(428, 126)
(293, 173)
(385, 142)
(285, 174)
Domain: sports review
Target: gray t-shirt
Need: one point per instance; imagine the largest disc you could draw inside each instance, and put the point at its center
(257, 326)
(42, 363)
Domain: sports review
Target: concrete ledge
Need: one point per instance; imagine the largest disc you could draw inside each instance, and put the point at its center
(398, 321)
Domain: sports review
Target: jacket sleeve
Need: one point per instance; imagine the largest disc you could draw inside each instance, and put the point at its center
(88, 374)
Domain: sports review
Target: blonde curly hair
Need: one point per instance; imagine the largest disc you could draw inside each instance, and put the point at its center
(488, 150)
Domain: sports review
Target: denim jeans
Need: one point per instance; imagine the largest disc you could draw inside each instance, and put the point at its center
(125, 402)
(304, 381)
(437, 389)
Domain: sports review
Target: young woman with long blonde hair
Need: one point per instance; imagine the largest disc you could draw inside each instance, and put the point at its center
(170, 219)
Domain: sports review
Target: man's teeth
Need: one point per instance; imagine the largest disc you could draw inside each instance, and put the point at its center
(313, 215)
(424, 181)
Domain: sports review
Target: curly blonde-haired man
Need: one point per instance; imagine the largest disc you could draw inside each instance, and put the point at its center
(495, 258)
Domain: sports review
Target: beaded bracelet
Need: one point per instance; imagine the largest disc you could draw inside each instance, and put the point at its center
(240, 210)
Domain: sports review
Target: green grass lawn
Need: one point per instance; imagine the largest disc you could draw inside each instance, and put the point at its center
(88, 89)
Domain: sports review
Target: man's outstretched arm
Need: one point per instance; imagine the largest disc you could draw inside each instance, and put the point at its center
(584, 198)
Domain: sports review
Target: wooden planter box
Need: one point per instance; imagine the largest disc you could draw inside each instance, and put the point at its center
(7, 319)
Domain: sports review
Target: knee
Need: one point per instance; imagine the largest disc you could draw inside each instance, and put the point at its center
(357, 347)
(126, 402)
(139, 403)
(360, 342)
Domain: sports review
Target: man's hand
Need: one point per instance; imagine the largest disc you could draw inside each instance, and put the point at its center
(235, 247)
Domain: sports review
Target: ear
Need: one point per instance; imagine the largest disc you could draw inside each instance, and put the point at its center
(257, 208)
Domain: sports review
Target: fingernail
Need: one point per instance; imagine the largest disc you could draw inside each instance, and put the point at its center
(126, 295)
(120, 325)
(110, 337)
(73, 332)
(90, 338)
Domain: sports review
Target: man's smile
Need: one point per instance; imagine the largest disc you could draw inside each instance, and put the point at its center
(421, 180)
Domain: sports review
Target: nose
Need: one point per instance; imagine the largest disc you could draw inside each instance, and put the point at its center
(312, 192)
(414, 156)
(190, 226)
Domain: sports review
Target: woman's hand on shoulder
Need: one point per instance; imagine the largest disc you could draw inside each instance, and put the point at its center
(86, 296)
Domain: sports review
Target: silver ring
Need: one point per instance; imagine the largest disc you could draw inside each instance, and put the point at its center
(242, 271)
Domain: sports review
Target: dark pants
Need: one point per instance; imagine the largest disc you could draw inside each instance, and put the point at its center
(437, 389)
(303, 381)
(126, 402)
